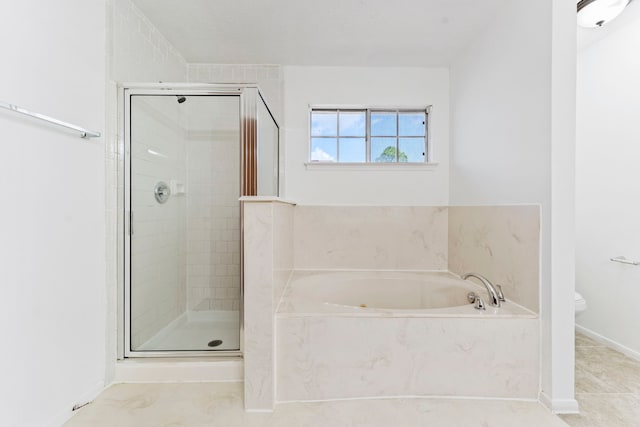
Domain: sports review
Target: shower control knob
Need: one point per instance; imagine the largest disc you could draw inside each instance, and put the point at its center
(471, 297)
(162, 192)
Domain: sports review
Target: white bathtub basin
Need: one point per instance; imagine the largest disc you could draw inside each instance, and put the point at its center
(389, 293)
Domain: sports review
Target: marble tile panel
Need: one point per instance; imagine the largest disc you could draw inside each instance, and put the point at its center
(501, 243)
(258, 312)
(282, 248)
(370, 237)
(220, 404)
(337, 357)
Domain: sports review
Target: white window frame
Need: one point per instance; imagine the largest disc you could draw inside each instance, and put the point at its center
(427, 164)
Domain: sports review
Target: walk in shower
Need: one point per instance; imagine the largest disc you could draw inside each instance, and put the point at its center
(190, 152)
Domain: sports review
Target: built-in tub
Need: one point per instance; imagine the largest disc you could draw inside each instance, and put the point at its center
(352, 334)
(388, 293)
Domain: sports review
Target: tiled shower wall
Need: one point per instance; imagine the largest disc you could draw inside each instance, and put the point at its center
(268, 77)
(213, 247)
(137, 51)
(158, 294)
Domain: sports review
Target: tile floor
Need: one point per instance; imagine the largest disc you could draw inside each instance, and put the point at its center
(607, 387)
(221, 404)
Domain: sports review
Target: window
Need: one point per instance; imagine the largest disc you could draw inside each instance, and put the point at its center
(368, 135)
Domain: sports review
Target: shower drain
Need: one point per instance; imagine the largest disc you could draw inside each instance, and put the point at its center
(214, 343)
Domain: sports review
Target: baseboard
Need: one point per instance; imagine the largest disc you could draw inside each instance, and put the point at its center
(66, 415)
(609, 342)
(146, 370)
(559, 406)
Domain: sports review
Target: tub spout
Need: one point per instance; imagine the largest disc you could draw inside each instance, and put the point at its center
(494, 295)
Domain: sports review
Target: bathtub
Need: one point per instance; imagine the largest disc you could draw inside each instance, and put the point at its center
(389, 294)
(359, 334)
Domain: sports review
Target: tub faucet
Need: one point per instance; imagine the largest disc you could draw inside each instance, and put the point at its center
(495, 293)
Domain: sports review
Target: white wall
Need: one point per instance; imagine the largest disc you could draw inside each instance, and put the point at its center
(52, 256)
(608, 183)
(511, 142)
(374, 87)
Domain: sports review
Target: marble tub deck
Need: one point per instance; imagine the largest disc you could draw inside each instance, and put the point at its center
(221, 404)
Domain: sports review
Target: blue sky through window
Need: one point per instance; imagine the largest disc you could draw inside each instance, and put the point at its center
(383, 124)
(353, 150)
(353, 124)
(411, 124)
(413, 148)
(324, 124)
(324, 149)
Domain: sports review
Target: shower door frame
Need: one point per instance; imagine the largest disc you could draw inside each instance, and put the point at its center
(249, 96)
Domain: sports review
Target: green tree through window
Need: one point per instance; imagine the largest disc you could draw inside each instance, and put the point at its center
(389, 155)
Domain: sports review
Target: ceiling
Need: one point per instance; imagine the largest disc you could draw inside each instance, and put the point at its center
(589, 36)
(321, 32)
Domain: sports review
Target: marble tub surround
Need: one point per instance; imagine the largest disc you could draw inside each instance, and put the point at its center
(268, 260)
(501, 243)
(370, 237)
(282, 247)
(332, 350)
(323, 357)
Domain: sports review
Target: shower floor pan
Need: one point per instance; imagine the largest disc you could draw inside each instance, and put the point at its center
(198, 330)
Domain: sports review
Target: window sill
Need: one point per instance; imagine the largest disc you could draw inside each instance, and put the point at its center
(400, 167)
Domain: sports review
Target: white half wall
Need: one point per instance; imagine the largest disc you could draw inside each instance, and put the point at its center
(608, 182)
(52, 256)
(511, 142)
(367, 87)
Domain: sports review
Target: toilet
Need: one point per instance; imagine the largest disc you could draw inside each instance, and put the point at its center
(580, 304)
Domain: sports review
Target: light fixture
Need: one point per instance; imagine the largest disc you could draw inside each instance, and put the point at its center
(596, 13)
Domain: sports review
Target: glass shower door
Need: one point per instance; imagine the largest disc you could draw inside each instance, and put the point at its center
(184, 185)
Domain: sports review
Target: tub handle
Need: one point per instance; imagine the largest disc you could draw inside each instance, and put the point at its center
(500, 294)
(471, 297)
(479, 304)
